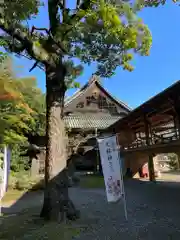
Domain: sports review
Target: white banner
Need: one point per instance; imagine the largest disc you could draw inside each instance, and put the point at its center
(111, 168)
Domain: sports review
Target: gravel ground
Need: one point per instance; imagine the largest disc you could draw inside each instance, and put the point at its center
(153, 212)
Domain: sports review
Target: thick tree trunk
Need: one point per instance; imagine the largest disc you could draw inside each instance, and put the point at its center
(57, 205)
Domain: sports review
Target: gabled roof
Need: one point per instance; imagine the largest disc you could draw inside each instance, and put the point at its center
(95, 80)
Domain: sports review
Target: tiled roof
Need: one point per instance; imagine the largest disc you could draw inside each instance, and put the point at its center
(89, 121)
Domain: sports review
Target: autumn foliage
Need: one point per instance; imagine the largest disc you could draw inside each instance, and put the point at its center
(20, 105)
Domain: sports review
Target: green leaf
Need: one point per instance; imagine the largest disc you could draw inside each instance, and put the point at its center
(76, 85)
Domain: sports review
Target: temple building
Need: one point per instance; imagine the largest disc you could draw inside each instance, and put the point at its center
(89, 111)
(93, 107)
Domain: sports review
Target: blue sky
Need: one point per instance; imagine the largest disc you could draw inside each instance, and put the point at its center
(152, 74)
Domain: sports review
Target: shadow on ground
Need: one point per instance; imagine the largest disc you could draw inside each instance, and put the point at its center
(153, 213)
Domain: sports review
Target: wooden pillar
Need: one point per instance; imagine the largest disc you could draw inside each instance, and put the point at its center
(151, 168)
(150, 157)
(178, 160)
(146, 126)
(177, 116)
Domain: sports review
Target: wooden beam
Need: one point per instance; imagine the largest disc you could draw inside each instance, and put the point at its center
(137, 127)
(161, 110)
(161, 122)
(135, 122)
(140, 125)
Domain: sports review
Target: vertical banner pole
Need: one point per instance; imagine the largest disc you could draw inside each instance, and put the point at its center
(6, 169)
(97, 153)
(0, 203)
(122, 180)
(3, 177)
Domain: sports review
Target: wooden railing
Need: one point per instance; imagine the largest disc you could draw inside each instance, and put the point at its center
(154, 139)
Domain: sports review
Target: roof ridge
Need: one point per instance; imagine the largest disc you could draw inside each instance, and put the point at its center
(81, 90)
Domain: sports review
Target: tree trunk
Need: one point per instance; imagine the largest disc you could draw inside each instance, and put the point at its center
(57, 205)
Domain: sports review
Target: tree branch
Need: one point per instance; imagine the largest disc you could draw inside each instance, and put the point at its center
(39, 29)
(22, 36)
(12, 44)
(77, 3)
(85, 5)
(80, 139)
(54, 18)
(64, 10)
(58, 44)
(75, 18)
(34, 66)
(62, 4)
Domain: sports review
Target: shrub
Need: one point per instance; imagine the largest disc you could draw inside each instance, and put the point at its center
(22, 184)
(173, 161)
(23, 181)
(39, 185)
(18, 162)
(12, 182)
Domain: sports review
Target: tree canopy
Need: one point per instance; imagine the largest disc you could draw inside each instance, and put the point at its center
(155, 3)
(22, 106)
(106, 32)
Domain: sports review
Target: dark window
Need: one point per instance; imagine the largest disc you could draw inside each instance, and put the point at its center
(80, 105)
(102, 102)
(112, 107)
(90, 99)
(67, 113)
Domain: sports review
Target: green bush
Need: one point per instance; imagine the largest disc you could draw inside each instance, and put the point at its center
(39, 185)
(18, 162)
(22, 184)
(23, 181)
(12, 182)
(173, 161)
